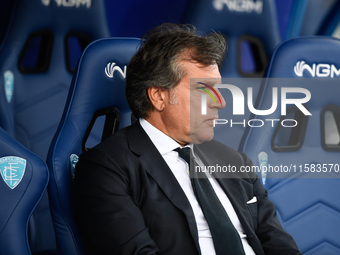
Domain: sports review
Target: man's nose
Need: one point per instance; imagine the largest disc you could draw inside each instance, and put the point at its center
(219, 101)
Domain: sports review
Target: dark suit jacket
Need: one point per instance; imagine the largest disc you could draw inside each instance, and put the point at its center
(127, 201)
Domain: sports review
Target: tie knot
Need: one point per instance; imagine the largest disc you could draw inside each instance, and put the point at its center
(184, 153)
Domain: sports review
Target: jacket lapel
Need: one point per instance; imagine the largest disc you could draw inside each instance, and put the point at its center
(154, 164)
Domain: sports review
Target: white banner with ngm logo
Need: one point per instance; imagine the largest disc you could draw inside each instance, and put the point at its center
(12, 170)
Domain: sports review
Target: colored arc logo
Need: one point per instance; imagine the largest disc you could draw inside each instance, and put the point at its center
(213, 90)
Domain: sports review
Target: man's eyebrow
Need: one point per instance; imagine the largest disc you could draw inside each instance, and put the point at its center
(212, 89)
(209, 82)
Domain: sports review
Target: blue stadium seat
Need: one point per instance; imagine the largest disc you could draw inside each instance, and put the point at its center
(252, 32)
(97, 89)
(254, 22)
(37, 56)
(23, 180)
(303, 150)
(330, 25)
(307, 16)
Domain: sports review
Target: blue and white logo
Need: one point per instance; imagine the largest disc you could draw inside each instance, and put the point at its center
(46, 2)
(69, 3)
(239, 5)
(263, 160)
(74, 160)
(316, 70)
(111, 68)
(9, 85)
(12, 170)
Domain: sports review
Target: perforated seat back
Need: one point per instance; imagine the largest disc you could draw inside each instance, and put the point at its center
(252, 33)
(23, 180)
(98, 83)
(301, 152)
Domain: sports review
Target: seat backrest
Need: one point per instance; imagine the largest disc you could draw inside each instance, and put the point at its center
(37, 57)
(41, 47)
(306, 17)
(98, 85)
(256, 24)
(23, 180)
(301, 152)
(252, 33)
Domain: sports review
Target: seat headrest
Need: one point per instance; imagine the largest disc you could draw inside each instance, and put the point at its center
(309, 63)
(250, 16)
(314, 56)
(77, 15)
(37, 57)
(99, 80)
(98, 83)
(250, 21)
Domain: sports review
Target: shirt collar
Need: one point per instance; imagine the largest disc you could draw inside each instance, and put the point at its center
(163, 142)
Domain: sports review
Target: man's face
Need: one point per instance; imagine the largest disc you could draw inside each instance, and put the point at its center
(182, 115)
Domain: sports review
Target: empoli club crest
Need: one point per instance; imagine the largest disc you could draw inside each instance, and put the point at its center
(12, 170)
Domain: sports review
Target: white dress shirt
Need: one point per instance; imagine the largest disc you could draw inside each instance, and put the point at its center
(179, 167)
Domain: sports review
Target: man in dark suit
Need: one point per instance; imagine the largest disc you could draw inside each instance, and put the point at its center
(134, 192)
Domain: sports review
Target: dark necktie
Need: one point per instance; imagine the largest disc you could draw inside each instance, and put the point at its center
(225, 237)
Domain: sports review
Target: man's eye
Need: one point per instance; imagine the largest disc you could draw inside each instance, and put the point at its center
(202, 88)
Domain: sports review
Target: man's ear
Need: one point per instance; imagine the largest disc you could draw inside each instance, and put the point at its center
(158, 97)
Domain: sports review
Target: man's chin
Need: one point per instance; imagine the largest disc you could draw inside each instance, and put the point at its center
(202, 137)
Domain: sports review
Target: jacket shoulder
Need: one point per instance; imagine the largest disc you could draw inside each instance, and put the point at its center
(112, 147)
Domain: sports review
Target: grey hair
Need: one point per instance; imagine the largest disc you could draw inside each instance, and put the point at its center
(156, 63)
